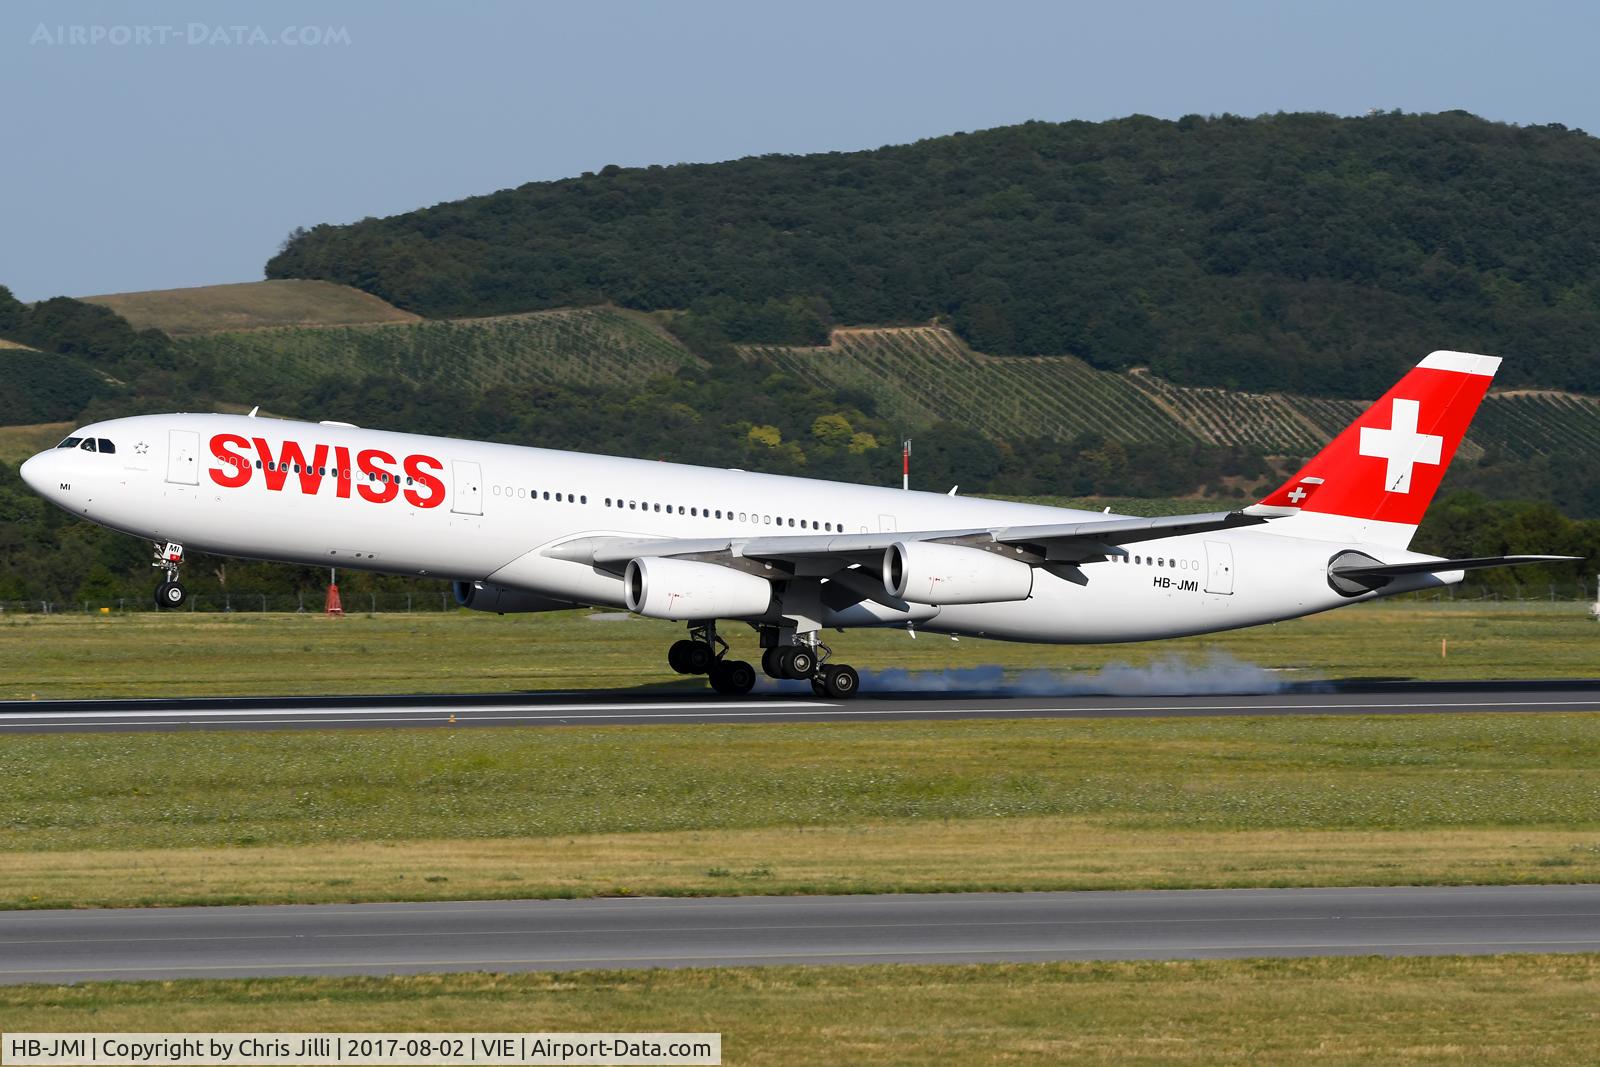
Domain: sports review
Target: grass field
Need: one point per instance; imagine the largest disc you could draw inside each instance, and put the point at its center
(1511, 1010)
(928, 806)
(249, 306)
(184, 653)
(447, 812)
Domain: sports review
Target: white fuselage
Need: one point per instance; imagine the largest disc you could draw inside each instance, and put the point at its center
(482, 512)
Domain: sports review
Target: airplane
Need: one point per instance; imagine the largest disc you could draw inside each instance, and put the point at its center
(519, 529)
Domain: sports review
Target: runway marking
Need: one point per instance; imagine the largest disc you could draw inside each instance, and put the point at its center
(1262, 950)
(702, 712)
(431, 709)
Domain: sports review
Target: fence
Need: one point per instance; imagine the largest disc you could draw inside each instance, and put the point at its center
(309, 602)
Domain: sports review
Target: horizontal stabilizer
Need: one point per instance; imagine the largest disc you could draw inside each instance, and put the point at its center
(1433, 566)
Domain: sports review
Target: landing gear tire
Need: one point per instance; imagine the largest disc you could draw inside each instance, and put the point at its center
(170, 596)
(840, 682)
(689, 657)
(699, 657)
(769, 663)
(818, 686)
(732, 678)
(795, 661)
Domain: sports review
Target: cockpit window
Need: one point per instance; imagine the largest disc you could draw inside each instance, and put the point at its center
(71, 442)
(106, 446)
(88, 444)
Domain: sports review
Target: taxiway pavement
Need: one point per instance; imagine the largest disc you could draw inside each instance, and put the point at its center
(524, 935)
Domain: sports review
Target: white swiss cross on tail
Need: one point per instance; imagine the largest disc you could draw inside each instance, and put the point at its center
(1373, 481)
(1401, 445)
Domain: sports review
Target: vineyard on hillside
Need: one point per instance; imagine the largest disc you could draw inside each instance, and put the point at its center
(918, 376)
(925, 374)
(581, 346)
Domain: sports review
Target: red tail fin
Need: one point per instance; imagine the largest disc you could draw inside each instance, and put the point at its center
(1386, 466)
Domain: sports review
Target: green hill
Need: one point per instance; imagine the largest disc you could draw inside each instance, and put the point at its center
(1296, 252)
(584, 346)
(249, 305)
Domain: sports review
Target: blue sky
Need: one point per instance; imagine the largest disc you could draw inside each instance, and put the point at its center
(165, 145)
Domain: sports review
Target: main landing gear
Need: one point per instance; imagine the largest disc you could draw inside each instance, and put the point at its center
(703, 652)
(808, 659)
(170, 594)
(805, 658)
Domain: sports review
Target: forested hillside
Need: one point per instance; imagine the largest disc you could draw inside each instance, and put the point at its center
(1302, 252)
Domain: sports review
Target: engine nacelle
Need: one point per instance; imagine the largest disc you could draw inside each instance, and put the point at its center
(684, 591)
(925, 572)
(486, 596)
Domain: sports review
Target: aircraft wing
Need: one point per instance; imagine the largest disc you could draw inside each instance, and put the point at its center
(819, 555)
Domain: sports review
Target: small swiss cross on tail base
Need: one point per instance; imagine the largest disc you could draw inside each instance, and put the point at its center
(1289, 498)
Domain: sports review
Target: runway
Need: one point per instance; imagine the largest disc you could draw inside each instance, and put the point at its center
(522, 935)
(632, 707)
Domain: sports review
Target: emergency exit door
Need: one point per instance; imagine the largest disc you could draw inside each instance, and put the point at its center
(468, 496)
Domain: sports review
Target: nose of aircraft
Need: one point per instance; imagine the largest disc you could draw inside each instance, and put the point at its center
(33, 473)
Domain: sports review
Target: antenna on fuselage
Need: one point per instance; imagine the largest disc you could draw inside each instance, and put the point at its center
(253, 412)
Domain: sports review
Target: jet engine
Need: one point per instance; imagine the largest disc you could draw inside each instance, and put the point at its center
(486, 596)
(685, 591)
(925, 572)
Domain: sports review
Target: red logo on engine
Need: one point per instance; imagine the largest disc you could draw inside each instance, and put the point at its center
(376, 475)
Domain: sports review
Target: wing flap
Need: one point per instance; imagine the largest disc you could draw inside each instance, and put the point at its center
(822, 552)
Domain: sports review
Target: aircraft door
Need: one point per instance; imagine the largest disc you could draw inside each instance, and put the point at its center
(468, 496)
(1219, 567)
(183, 457)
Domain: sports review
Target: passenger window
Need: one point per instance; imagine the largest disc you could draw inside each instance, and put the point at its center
(106, 446)
(631, 505)
(658, 507)
(583, 499)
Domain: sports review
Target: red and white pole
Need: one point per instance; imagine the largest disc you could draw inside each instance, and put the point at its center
(905, 466)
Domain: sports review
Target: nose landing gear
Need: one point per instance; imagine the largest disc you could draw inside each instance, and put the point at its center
(170, 594)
